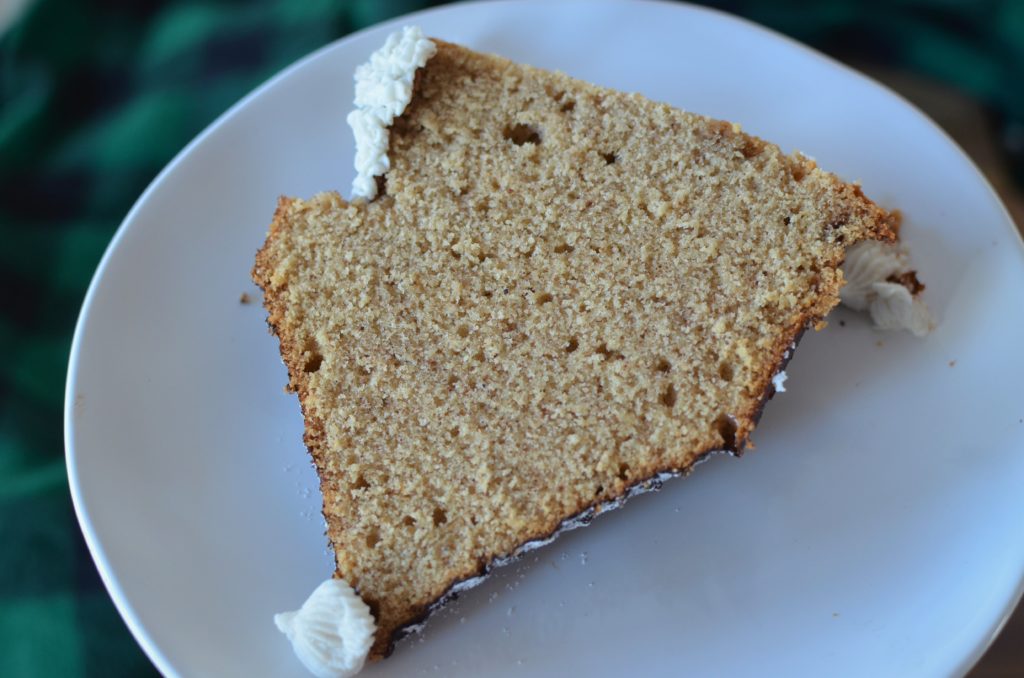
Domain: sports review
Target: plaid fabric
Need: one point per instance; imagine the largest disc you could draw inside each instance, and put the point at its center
(95, 97)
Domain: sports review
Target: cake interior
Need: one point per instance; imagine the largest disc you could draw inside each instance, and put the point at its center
(561, 292)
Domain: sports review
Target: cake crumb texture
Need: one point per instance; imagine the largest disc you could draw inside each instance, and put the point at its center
(561, 291)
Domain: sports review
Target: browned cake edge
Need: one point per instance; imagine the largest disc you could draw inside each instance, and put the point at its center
(737, 430)
(652, 483)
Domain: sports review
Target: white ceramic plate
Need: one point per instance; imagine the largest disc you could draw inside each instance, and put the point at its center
(877, 529)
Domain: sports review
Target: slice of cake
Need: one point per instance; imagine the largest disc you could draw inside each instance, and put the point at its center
(558, 295)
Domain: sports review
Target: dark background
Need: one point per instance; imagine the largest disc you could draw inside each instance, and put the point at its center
(96, 97)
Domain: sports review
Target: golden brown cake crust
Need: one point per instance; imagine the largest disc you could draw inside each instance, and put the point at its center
(564, 292)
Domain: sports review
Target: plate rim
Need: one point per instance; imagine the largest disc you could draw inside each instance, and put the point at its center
(121, 602)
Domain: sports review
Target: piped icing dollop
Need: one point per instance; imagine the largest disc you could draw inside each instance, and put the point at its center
(332, 632)
(872, 270)
(383, 90)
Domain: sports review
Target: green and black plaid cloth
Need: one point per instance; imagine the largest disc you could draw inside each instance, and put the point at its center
(97, 96)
